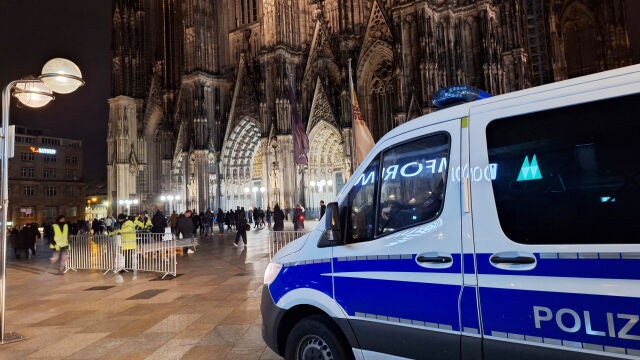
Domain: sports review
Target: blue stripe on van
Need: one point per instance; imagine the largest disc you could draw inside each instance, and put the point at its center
(307, 275)
(423, 304)
(603, 266)
(469, 309)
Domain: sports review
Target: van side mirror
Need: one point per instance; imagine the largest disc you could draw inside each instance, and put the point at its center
(333, 227)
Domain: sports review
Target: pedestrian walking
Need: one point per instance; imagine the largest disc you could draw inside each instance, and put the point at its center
(186, 228)
(268, 214)
(60, 243)
(256, 217)
(241, 227)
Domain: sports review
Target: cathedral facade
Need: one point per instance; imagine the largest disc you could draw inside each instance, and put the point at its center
(206, 93)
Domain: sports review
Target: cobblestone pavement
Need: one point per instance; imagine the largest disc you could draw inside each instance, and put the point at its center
(211, 310)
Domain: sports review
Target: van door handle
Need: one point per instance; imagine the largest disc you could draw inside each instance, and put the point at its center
(434, 259)
(497, 259)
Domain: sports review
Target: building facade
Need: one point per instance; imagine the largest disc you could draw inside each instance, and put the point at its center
(204, 91)
(45, 179)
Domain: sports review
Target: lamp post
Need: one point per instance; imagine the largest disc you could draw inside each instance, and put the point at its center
(128, 203)
(170, 199)
(58, 75)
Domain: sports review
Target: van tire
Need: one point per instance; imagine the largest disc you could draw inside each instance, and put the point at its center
(317, 337)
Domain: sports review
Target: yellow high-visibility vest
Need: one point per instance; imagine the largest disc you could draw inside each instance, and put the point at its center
(143, 225)
(128, 235)
(60, 236)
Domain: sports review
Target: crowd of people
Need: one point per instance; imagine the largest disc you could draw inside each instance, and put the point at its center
(185, 225)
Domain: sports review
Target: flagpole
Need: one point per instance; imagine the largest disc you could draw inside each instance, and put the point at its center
(354, 157)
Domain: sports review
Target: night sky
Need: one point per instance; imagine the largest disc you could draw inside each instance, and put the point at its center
(34, 31)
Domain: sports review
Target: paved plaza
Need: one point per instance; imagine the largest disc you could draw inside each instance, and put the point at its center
(211, 310)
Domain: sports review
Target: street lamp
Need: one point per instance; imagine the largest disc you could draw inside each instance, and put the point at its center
(170, 199)
(128, 203)
(58, 75)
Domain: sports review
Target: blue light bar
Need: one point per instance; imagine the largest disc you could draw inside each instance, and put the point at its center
(457, 94)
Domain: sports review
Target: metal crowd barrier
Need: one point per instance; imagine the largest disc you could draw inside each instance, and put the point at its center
(153, 253)
(278, 240)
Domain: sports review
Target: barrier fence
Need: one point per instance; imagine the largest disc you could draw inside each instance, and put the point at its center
(278, 240)
(153, 253)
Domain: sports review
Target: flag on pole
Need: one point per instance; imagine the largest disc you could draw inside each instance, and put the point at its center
(300, 139)
(363, 141)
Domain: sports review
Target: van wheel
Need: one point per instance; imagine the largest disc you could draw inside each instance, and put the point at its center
(316, 337)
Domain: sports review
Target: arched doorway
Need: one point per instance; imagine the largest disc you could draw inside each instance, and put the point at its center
(581, 45)
(241, 165)
(326, 166)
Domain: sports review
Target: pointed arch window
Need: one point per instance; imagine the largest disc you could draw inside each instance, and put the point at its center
(380, 119)
(580, 43)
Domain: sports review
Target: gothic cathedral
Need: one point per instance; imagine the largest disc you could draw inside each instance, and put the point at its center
(206, 93)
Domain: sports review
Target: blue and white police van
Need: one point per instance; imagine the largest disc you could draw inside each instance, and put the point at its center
(504, 228)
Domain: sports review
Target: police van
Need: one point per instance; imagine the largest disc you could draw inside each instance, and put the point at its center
(504, 228)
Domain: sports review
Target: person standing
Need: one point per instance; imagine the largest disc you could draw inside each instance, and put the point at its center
(195, 218)
(128, 245)
(220, 218)
(159, 223)
(207, 221)
(186, 228)
(241, 227)
(32, 235)
(298, 217)
(323, 209)
(143, 223)
(95, 226)
(173, 221)
(16, 242)
(268, 214)
(108, 222)
(278, 218)
(60, 243)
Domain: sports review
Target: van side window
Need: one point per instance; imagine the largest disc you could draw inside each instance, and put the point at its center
(413, 182)
(362, 204)
(569, 175)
